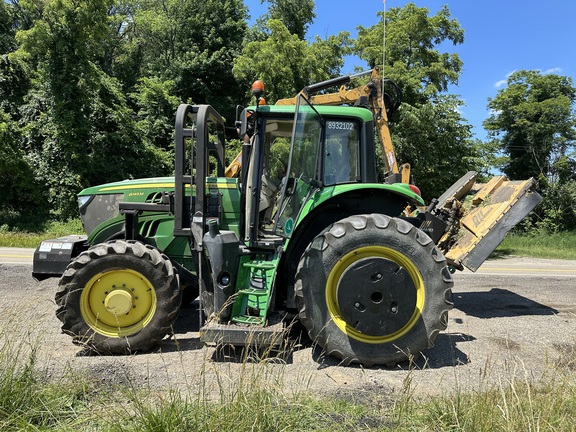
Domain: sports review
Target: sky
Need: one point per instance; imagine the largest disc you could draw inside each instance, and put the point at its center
(500, 37)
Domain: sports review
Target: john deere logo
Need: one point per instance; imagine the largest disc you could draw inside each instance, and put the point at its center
(289, 226)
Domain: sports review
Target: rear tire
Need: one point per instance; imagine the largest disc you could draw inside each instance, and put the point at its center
(373, 290)
(118, 297)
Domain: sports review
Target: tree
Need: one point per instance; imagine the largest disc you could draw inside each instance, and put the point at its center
(7, 33)
(193, 44)
(19, 191)
(156, 108)
(296, 15)
(14, 80)
(412, 56)
(436, 141)
(286, 64)
(428, 130)
(533, 121)
(77, 127)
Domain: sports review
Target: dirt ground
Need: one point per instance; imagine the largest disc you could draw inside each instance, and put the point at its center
(511, 323)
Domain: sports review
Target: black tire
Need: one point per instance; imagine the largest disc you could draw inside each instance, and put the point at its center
(132, 279)
(373, 290)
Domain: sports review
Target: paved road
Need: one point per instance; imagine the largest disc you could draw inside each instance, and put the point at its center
(16, 255)
(527, 267)
(503, 266)
(513, 319)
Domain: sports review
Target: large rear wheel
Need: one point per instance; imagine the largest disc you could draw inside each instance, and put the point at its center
(373, 290)
(118, 297)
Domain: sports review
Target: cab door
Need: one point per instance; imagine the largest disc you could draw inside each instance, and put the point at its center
(303, 173)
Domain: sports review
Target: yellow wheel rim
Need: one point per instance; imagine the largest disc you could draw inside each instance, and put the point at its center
(379, 252)
(118, 303)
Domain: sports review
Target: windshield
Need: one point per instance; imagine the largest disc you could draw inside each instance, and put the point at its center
(303, 166)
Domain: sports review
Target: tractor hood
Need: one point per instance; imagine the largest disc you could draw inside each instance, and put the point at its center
(125, 186)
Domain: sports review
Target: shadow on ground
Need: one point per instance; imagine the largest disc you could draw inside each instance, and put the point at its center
(499, 303)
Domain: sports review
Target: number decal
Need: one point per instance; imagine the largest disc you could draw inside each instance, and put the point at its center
(340, 125)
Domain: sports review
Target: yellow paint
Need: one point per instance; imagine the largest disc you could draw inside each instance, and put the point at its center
(138, 186)
(518, 269)
(368, 252)
(164, 185)
(118, 303)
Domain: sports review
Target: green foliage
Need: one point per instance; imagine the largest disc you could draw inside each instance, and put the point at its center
(557, 211)
(533, 121)
(539, 243)
(156, 108)
(296, 15)
(192, 43)
(437, 142)
(76, 117)
(412, 57)
(19, 191)
(28, 229)
(428, 130)
(14, 84)
(61, 46)
(286, 64)
(7, 39)
(69, 67)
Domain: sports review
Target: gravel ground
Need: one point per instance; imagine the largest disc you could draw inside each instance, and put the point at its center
(513, 323)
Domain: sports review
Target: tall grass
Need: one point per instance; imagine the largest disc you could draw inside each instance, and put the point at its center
(250, 397)
(28, 401)
(540, 244)
(30, 236)
(519, 404)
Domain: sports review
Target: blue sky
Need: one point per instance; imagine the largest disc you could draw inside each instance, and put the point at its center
(500, 37)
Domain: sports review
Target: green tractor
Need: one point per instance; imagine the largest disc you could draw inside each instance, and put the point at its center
(304, 230)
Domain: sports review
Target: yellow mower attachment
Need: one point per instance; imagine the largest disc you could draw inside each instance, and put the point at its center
(482, 215)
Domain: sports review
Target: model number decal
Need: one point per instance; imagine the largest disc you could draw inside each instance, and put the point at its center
(340, 125)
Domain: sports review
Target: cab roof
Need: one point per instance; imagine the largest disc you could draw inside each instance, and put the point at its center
(325, 110)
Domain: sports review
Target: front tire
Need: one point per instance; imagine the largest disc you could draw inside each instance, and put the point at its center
(373, 290)
(118, 297)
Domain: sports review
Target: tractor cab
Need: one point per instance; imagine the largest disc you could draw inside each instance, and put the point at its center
(294, 153)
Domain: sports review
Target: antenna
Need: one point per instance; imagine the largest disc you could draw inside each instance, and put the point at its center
(383, 41)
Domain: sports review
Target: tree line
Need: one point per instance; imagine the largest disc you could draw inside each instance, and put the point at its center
(89, 88)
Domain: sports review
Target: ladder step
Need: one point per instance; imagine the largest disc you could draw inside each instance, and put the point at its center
(265, 265)
(245, 319)
(253, 291)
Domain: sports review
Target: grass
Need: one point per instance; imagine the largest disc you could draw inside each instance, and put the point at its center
(540, 245)
(29, 236)
(255, 401)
